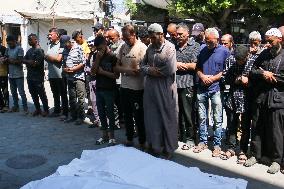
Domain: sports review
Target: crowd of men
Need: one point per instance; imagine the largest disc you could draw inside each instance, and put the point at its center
(165, 86)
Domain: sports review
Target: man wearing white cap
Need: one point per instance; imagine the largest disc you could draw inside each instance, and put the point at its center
(268, 110)
(160, 93)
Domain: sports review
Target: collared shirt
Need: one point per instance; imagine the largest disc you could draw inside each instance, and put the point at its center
(187, 54)
(35, 73)
(75, 57)
(54, 68)
(211, 62)
(15, 71)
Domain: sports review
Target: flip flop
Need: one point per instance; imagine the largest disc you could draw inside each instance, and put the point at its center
(227, 155)
(199, 148)
(242, 158)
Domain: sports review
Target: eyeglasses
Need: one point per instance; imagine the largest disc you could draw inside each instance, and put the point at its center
(225, 43)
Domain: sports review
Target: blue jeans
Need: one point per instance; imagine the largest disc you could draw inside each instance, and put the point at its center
(17, 84)
(216, 107)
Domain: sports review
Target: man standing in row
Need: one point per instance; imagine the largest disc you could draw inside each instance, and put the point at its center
(129, 57)
(34, 60)
(4, 93)
(187, 52)
(54, 59)
(14, 56)
(160, 93)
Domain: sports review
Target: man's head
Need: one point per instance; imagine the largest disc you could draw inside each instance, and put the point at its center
(78, 37)
(129, 34)
(281, 29)
(65, 41)
(32, 40)
(100, 43)
(53, 35)
(182, 34)
(241, 53)
(273, 39)
(11, 41)
(197, 29)
(156, 35)
(211, 38)
(98, 29)
(254, 41)
(113, 36)
(144, 35)
(227, 41)
(172, 30)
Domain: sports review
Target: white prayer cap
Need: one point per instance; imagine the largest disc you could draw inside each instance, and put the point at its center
(274, 32)
(155, 28)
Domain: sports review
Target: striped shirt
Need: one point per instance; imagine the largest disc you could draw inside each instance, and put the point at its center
(187, 54)
(74, 58)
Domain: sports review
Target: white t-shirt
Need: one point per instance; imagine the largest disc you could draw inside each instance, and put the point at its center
(131, 57)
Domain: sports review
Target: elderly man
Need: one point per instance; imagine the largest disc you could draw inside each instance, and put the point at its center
(172, 31)
(198, 33)
(160, 93)
(228, 42)
(209, 71)
(187, 52)
(129, 57)
(267, 77)
(255, 43)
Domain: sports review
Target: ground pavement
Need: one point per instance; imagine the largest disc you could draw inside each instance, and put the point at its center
(32, 148)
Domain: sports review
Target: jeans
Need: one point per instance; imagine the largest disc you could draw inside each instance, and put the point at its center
(132, 104)
(105, 105)
(4, 93)
(17, 84)
(186, 116)
(203, 106)
(76, 89)
(58, 88)
(37, 91)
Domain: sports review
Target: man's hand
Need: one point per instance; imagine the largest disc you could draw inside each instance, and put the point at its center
(68, 70)
(244, 80)
(269, 76)
(131, 71)
(206, 80)
(153, 71)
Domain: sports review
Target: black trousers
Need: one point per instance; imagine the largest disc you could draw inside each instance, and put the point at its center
(59, 90)
(37, 91)
(187, 128)
(132, 104)
(276, 118)
(117, 105)
(232, 129)
(4, 93)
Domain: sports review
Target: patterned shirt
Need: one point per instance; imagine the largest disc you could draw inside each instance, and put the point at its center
(75, 57)
(187, 54)
(237, 98)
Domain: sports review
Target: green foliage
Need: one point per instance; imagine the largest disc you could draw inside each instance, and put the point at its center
(131, 6)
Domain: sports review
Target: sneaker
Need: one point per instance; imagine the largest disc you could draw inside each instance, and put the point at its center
(5, 109)
(14, 109)
(101, 141)
(111, 142)
(274, 168)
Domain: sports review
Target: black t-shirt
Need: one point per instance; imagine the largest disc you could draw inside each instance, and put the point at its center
(107, 64)
(35, 72)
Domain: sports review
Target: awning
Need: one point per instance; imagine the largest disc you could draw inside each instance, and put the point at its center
(162, 4)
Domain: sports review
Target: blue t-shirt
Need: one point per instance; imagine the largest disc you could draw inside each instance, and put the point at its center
(211, 62)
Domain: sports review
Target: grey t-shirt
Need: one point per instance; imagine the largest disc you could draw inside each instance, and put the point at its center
(54, 68)
(15, 71)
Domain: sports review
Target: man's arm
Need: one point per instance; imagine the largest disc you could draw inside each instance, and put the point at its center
(57, 58)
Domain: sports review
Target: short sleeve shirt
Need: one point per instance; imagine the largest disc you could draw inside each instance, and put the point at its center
(211, 62)
(54, 68)
(15, 71)
(131, 57)
(35, 72)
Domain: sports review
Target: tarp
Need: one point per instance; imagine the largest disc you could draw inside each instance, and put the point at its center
(120, 167)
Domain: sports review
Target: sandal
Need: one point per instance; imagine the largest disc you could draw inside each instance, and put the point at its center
(216, 152)
(227, 155)
(200, 147)
(242, 158)
(101, 141)
(185, 147)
